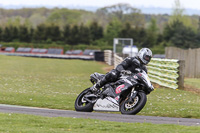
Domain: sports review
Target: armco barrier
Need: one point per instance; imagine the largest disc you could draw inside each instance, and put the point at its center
(165, 72)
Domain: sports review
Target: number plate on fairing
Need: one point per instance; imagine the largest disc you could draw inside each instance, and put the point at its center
(106, 104)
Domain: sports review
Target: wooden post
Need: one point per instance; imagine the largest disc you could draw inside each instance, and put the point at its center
(181, 73)
(197, 63)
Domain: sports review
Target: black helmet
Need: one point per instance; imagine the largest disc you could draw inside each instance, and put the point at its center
(145, 55)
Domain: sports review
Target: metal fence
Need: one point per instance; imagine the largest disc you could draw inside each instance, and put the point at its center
(191, 58)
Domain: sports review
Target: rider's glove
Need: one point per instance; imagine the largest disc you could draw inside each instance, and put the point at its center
(126, 72)
(138, 70)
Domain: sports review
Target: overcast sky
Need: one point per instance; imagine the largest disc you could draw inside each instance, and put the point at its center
(194, 4)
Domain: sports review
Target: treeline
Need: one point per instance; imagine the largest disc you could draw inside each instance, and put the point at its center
(37, 16)
(174, 34)
(72, 35)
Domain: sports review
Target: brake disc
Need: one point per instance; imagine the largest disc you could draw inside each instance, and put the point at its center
(131, 105)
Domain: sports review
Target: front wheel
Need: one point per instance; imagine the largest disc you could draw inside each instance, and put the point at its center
(83, 105)
(135, 106)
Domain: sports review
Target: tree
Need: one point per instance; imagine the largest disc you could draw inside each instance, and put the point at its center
(178, 11)
(178, 14)
(37, 19)
(180, 35)
(14, 33)
(24, 35)
(138, 34)
(7, 35)
(96, 31)
(66, 33)
(74, 35)
(65, 16)
(40, 33)
(123, 13)
(152, 34)
(84, 34)
(1, 34)
(112, 31)
(53, 33)
(126, 31)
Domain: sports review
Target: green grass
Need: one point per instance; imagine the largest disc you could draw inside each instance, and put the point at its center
(18, 123)
(172, 103)
(192, 82)
(48, 83)
(54, 83)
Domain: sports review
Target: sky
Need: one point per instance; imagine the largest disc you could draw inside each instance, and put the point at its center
(193, 4)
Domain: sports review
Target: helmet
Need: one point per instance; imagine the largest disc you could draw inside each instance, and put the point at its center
(145, 55)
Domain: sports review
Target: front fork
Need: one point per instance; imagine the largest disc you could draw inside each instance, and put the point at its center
(133, 95)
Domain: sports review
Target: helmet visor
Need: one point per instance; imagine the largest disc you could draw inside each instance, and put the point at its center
(147, 58)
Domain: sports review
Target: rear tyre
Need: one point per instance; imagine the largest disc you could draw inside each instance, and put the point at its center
(135, 107)
(81, 104)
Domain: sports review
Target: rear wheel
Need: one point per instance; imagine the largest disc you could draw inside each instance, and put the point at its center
(132, 108)
(81, 104)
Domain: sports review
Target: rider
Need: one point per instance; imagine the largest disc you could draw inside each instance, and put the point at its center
(129, 64)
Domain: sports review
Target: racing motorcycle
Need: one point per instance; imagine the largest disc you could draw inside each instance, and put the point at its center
(127, 95)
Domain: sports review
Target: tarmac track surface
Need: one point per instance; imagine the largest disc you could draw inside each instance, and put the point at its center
(100, 116)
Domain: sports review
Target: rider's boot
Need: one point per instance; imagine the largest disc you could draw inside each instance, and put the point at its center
(98, 85)
(95, 87)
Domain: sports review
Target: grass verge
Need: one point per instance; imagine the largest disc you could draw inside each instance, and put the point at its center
(192, 85)
(192, 82)
(19, 123)
(195, 83)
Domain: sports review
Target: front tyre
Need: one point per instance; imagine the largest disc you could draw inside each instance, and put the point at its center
(81, 104)
(135, 106)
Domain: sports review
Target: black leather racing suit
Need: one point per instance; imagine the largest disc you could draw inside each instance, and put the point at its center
(129, 63)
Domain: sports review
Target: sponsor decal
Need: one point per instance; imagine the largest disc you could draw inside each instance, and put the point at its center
(112, 100)
(140, 74)
(108, 106)
(117, 98)
(119, 89)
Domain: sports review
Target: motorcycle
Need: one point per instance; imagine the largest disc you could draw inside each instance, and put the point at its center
(127, 95)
